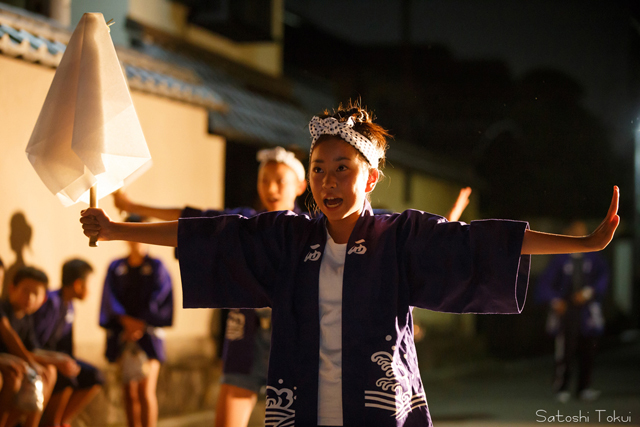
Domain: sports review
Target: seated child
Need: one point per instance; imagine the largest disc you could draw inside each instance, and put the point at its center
(54, 330)
(17, 341)
(12, 368)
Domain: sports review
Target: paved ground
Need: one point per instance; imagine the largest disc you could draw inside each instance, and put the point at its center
(519, 394)
(515, 394)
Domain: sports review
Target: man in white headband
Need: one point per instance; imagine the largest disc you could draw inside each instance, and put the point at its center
(281, 178)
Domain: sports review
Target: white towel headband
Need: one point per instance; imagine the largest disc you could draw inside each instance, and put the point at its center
(331, 126)
(280, 155)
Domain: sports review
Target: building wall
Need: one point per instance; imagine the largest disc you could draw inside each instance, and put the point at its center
(188, 167)
(171, 17)
(426, 193)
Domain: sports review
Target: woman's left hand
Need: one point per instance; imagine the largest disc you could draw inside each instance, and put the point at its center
(602, 235)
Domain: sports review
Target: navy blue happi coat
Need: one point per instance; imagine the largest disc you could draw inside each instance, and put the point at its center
(144, 292)
(394, 263)
(53, 323)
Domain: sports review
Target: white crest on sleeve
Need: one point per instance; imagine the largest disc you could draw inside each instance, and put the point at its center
(360, 249)
(313, 256)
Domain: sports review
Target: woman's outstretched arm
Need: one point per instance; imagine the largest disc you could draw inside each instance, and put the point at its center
(95, 222)
(538, 243)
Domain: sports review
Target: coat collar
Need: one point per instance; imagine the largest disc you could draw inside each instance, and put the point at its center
(366, 211)
(359, 230)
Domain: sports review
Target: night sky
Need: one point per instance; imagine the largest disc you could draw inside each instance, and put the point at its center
(587, 40)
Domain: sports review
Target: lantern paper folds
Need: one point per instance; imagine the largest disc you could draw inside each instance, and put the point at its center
(88, 130)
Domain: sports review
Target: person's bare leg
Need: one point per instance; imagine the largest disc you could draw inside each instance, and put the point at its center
(2, 411)
(234, 406)
(52, 415)
(148, 397)
(48, 381)
(13, 418)
(11, 382)
(78, 401)
(132, 404)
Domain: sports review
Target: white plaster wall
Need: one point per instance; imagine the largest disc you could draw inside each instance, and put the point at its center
(188, 167)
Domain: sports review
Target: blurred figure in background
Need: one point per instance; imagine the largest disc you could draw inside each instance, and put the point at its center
(460, 204)
(137, 301)
(574, 286)
(245, 351)
(54, 330)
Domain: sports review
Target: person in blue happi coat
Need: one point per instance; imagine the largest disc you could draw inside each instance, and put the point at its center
(137, 301)
(574, 286)
(281, 179)
(53, 323)
(342, 285)
(18, 342)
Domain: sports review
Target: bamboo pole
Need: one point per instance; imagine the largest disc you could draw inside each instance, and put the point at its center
(93, 202)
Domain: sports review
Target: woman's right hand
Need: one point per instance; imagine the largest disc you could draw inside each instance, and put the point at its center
(96, 223)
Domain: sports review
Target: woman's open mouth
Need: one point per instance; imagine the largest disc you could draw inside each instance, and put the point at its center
(332, 202)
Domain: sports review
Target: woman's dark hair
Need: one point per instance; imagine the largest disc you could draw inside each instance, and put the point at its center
(364, 125)
(75, 269)
(30, 273)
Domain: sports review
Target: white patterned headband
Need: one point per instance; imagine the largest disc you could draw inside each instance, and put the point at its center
(331, 126)
(280, 155)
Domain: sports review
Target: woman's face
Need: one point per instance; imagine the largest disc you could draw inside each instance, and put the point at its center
(278, 187)
(339, 179)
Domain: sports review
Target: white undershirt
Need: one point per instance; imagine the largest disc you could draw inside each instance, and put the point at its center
(330, 297)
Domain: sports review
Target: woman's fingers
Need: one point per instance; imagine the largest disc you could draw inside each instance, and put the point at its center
(615, 201)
